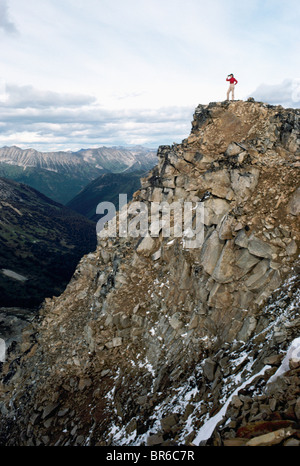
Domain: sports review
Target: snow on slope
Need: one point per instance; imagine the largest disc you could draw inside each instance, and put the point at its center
(241, 359)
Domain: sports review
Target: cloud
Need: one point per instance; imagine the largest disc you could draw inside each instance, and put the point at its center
(5, 23)
(44, 119)
(48, 120)
(29, 97)
(287, 93)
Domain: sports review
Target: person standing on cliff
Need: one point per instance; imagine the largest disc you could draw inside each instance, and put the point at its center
(233, 82)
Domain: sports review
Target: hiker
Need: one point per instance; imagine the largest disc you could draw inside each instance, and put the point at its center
(233, 83)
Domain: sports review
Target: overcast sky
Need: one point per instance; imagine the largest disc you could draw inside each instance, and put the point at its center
(86, 73)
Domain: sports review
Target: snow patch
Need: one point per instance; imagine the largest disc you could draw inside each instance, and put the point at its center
(293, 353)
(209, 426)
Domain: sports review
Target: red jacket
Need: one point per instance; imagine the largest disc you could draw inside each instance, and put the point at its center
(232, 80)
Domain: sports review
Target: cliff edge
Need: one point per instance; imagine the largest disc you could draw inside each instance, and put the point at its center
(152, 336)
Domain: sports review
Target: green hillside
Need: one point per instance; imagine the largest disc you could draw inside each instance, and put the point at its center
(106, 187)
(61, 187)
(41, 241)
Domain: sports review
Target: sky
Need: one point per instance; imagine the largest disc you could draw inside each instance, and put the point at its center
(86, 73)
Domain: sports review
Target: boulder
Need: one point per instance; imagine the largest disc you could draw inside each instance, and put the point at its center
(209, 369)
(224, 270)
(146, 246)
(242, 239)
(247, 329)
(291, 248)
(243, 182)
(168, 422)
(294, 203)
(226, 227)
(272, 438)
(258, 276)
(260, 248)
(245, 261)
(233, 149)
(155, 439)
(214, 211)
(210, 252)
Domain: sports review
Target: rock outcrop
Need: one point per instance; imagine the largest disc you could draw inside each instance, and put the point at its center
(151, 335)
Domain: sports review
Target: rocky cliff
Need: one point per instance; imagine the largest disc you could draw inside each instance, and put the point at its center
(156, 343)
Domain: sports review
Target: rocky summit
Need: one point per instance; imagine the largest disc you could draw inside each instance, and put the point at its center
(154, 342)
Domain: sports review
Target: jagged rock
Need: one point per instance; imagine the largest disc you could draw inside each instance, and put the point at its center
(233, 149)
(156, 255)
(292, 442)
(211, 251)
(258, 276)
(273, 438)
(226, 227)
(217, 183)
(260, 248)
(294, 203)
(246, 261)
(175, 322)
(155, 440)
(279, 336)
(168, 422)
(243, 182)
(291, 248)
(146, 246)
(209, 369)
(297, 409)
(115, 342)
(215, 209)
(49, 409)
(223, 272)
(220, 296)
(260, 428)
(248, 328)
(273, 360)
(242, 239)
(236, 402)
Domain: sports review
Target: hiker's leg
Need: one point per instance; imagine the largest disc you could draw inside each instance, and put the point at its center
(228, 93)
(232, 91)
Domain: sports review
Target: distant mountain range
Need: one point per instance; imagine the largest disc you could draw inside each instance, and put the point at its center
(41, 239)
(41, 242)
(62, 175)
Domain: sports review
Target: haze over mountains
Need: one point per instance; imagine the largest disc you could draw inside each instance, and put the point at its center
(62, 175)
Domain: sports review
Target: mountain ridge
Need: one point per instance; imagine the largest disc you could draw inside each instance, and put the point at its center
(62, 175)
